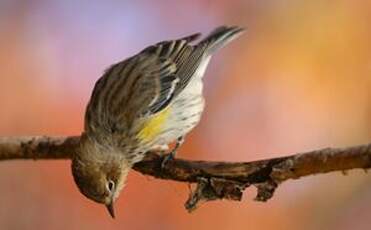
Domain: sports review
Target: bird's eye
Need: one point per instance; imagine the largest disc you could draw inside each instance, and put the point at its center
(110, 185)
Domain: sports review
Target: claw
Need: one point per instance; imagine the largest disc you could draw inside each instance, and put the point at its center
(171, 155)
(167, 157)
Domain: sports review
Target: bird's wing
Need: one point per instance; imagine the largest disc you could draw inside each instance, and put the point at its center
(184, 55)
(155, 85)
(141, 84)
(187, 57)
(147, 83)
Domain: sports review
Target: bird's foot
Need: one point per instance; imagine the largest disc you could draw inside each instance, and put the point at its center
(171, 155)
(167, 157)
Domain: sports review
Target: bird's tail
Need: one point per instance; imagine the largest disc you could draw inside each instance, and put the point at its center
(221, 36)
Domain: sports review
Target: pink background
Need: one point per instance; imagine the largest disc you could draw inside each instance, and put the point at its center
(298, 80)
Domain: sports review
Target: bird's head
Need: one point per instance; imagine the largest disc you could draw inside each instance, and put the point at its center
(100, 176)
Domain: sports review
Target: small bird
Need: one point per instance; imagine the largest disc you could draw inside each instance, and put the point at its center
(142, 103)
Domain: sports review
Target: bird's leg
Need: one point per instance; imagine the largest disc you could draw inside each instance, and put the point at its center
(179, 142)
(172, 153)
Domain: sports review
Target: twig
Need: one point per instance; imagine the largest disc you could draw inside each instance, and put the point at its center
(215, 180)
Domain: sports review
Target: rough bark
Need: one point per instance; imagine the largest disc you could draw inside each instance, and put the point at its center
(215, 180)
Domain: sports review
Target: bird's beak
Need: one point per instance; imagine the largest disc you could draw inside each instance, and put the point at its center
(110, 209)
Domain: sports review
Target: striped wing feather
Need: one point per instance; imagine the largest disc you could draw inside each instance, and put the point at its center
(146, 83)
(127, 90)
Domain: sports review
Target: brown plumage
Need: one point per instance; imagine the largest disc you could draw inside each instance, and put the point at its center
(145, 101)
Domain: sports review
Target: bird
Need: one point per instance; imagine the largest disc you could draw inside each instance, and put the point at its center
(145, 102)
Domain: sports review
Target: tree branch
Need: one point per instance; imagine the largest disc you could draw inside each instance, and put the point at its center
(215, 180)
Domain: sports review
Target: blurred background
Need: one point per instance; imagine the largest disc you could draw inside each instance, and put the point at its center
(298, 80)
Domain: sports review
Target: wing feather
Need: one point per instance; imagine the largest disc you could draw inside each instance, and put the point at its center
(148, 82)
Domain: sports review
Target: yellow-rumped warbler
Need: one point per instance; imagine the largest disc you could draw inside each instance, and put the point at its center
(144, 102)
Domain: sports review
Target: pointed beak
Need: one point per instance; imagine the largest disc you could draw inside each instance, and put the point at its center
(110, 209)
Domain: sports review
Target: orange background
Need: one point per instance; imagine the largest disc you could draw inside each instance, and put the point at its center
(299, 79)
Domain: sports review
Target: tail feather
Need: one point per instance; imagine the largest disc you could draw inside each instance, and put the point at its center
(221, 36)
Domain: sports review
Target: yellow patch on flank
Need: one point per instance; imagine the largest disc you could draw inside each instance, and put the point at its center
(154, 125)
